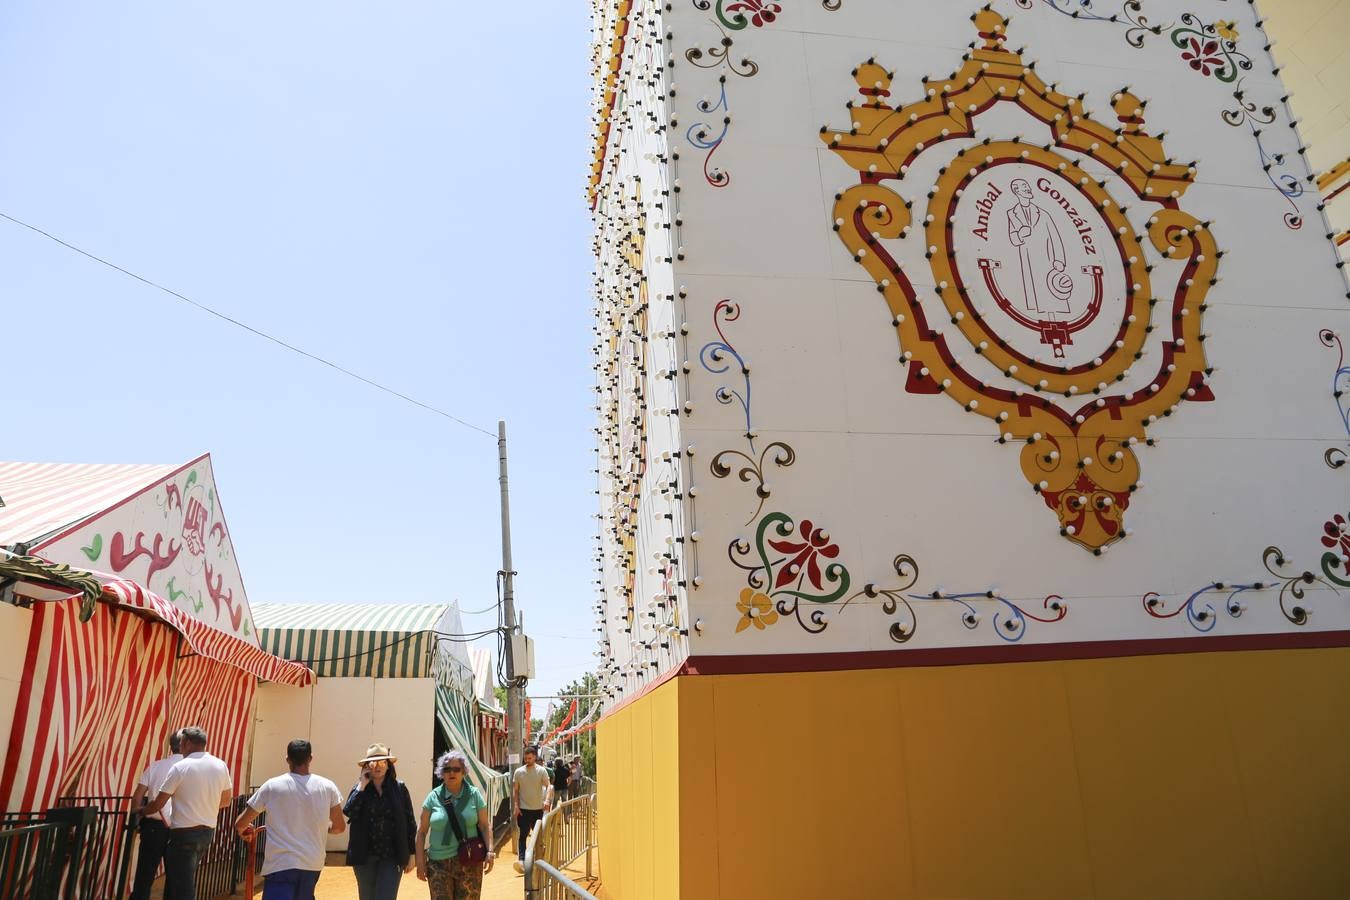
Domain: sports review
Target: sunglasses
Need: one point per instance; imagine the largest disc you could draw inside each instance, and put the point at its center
(453, 769)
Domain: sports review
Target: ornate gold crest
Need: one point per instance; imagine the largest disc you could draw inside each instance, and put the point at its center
(1035, 265)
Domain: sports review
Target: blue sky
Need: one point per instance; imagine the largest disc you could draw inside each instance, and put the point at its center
(397, 187)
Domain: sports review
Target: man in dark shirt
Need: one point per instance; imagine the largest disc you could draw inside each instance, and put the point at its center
(560, 773)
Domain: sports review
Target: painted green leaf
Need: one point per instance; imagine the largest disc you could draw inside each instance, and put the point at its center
(95, 548)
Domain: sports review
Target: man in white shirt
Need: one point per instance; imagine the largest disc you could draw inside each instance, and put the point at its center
(302, 810)
(154, 830)
(531, 791)
(199, 785)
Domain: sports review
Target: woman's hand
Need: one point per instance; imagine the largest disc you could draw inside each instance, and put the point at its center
(421, 872)
(412, 863)
(487, 865)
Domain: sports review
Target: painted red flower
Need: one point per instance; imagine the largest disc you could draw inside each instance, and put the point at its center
(815, 542)
(1338, 537)
(1203, 57)
(761, 13)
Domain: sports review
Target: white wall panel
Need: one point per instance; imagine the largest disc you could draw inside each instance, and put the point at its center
(888, 472)
(282, 714)
(403, 714)
(341, 717)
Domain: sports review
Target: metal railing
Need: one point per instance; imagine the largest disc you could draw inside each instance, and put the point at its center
(110, 842)
(85, 849)
(41, 854)
(565, 834)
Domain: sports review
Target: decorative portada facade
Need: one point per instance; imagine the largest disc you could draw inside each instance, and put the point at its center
(972, 441)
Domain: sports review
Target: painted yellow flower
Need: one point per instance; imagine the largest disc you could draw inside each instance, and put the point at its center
(1227, 30)
(756, 609)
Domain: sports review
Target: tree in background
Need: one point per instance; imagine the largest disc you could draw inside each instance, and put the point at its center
(585, 690)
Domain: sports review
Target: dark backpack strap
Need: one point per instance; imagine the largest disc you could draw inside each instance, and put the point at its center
(452, 810)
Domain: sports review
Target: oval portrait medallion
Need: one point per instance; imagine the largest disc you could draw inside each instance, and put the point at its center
(1039, 262)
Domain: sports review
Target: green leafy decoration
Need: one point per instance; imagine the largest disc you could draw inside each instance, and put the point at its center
(1330, 564)
(95, 548)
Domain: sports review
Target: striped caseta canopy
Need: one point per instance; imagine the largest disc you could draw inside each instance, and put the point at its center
(41, 498)
(353, 640)
(454, 714)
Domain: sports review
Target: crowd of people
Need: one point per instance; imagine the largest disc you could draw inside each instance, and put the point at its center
(447, 839)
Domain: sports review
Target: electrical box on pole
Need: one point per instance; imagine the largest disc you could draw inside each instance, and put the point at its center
(522, 656)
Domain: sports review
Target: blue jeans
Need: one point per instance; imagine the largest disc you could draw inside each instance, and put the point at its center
(186, 846)
(290, 884)
(378, 879)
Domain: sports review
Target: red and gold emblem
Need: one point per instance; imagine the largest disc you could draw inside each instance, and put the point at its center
(1083, 333)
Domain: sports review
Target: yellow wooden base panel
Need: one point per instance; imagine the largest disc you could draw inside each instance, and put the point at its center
(1207, 775)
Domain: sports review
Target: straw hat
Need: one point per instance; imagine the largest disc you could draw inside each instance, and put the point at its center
(377, 752)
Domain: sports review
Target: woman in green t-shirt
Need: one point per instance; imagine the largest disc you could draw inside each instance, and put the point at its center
(437, 844)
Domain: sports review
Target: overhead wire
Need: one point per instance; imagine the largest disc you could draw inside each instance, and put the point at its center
(479, 612)
(249, 328)
(447, 636)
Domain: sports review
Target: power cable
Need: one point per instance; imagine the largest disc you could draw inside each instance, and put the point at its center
(479, 612)
(466, 636)
(249, 328)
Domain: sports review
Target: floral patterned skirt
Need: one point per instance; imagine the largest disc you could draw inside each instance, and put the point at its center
(449, 879)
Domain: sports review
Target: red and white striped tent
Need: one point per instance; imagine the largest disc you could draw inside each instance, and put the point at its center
(148, 629)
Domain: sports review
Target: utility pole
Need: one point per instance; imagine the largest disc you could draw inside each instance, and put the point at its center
(515, 705)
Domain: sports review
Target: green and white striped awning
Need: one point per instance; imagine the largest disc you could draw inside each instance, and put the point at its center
(353, 640)
(454, 713)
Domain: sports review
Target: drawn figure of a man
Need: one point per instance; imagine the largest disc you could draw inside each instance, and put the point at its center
(1046, 287)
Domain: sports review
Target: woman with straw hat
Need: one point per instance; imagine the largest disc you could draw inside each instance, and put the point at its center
(380, 813)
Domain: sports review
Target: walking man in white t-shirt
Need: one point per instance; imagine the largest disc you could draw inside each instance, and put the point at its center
(154, 830)
(199, 785)
(531, 792)
(302, 810)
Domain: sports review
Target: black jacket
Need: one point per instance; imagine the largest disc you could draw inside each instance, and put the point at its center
(404, 825)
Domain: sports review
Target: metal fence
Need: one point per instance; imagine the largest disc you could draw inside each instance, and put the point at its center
(565, 834)
(42, 856)
(105, 869)
(85, 849)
